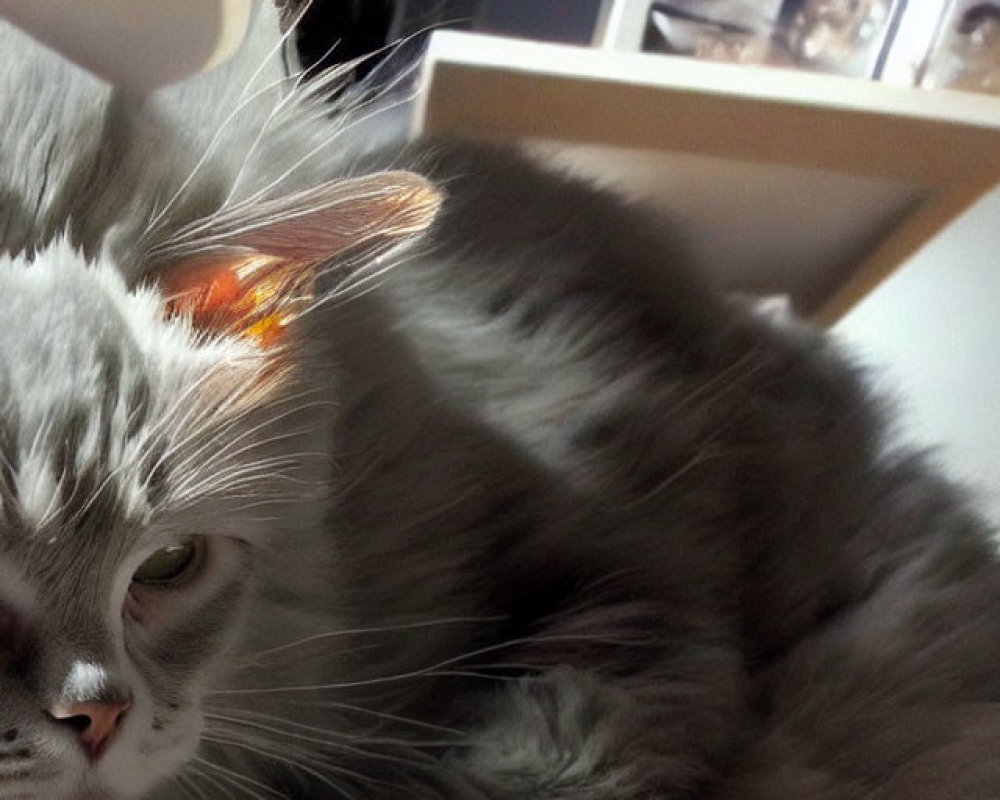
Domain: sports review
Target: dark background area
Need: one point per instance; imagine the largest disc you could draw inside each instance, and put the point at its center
(337, 31)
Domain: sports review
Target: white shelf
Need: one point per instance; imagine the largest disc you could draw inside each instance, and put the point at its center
(831, 181)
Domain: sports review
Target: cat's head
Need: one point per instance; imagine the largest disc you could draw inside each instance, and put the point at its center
(151, 447)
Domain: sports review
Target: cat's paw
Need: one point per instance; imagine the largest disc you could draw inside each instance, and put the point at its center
(568, 734)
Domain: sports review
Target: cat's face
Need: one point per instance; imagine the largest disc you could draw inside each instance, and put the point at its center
(141, 430)
(119, 590)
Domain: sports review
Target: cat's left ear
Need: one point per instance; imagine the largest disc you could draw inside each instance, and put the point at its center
(251, 269)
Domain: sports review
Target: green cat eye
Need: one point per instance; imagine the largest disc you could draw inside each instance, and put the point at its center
(170, 565)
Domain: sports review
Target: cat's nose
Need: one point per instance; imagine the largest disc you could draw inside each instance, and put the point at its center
(95, 723)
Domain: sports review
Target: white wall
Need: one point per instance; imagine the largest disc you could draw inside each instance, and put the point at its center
(932, 335)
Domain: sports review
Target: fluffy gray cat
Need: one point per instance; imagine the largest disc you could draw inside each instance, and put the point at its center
(428, 474)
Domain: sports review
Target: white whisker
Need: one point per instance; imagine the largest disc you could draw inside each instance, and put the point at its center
(377, 629)
(209, 780)
(237, 777)
(292, 762)
(437, 669)
(325, 738)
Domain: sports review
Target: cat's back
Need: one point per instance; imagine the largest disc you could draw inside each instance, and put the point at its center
(847, 591)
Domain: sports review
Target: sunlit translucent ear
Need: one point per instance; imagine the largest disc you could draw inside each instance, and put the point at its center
(251, 269)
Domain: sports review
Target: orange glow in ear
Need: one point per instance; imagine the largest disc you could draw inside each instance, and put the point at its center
(267, 332)
(253, 296)
(204, 291)
(222, 293)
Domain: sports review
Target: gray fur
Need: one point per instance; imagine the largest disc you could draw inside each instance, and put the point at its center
(531, 514)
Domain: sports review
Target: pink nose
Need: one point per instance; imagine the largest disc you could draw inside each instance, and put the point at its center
(95, 723)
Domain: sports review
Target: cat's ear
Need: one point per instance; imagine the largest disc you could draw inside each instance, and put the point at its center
(252, 268)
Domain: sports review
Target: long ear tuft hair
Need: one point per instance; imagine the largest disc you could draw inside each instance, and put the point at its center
(251, 269)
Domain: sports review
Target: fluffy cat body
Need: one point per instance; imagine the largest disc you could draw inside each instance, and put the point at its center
(515, 508)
